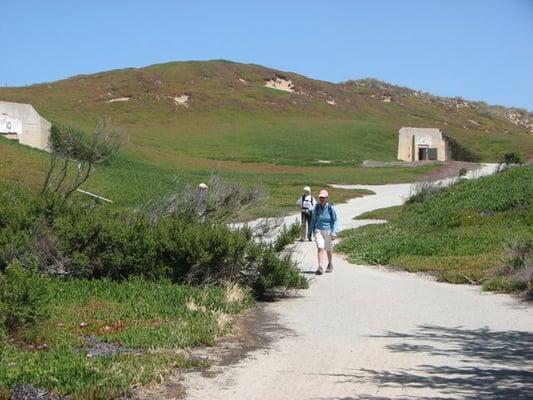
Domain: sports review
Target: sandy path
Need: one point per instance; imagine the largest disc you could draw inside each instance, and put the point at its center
(366, 333)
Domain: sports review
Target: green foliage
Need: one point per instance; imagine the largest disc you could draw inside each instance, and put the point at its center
(149, 319)
(287, 236)
(22, 298)
(85, 240)
(513, 158)
(517, 271)
(423, 192)
(459, 232)
(67, 141)
(278, 272)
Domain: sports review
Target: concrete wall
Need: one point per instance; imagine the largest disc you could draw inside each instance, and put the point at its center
(410, 140)
(35, 130)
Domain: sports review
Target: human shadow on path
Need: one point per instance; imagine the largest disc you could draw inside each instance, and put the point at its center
(487, 364)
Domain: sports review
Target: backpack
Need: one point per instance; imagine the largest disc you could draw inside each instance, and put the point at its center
(330, 210)
(312, 203)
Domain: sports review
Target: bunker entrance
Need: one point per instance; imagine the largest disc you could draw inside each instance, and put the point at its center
(427, 153)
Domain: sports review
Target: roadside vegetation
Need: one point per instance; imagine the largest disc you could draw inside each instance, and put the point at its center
(95, 339)
(98, 298)
(387, 213)
(475, 231)
(131, 182)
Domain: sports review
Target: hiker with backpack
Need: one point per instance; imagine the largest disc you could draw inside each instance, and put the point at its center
(324, 225)
(306, 203)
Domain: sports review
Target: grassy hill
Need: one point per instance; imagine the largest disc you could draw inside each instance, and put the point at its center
(188, 118)
(470, 231)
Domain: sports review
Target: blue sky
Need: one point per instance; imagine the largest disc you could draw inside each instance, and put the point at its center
(481, 50)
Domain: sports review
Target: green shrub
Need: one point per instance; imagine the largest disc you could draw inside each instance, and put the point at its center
(277, 272)
(513, 158)
(424, 192)
(79, 239)
(287, 236)
(22, 298)
(517, 272)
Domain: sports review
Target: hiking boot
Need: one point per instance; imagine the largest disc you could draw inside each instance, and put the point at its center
(319, 271)
(329, 268)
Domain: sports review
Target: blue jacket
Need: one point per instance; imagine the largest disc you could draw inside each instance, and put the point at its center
(324, 218)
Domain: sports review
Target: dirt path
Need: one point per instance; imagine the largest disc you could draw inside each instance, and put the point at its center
(366, 333)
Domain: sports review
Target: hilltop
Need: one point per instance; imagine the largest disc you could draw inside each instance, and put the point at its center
(258, 124)
(226, 110)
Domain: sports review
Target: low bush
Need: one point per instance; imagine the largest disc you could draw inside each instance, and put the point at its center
(513, 158)
(78, 239)
(423, 192)
(221, 202)
(516, 273)
(22, 299)
(287, 236)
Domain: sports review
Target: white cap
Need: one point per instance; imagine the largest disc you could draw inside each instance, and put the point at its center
(307, 189)
(202, 186)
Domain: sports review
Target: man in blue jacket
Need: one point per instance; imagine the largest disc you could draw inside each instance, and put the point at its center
(324, 225)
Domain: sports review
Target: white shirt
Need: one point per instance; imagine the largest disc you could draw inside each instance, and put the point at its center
(307, 202)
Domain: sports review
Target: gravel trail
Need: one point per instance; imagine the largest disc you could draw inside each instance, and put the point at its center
(368, 333)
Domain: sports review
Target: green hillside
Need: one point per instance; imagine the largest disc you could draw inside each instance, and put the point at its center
(188, 118)
(470, 231)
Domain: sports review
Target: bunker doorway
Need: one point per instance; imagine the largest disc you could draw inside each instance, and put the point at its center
(427, 153)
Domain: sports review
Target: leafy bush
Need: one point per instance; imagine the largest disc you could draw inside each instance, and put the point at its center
(423, 192)
(513, 158)
(22, 298)
(517, 271)
(277, 272)
(287, 236)
(221, 202)
(90, 241)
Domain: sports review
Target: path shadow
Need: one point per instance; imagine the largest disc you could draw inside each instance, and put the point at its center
(473, 345)
(309, 272)
(487, 364)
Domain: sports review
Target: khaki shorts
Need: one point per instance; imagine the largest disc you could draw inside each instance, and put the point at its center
(323, 240)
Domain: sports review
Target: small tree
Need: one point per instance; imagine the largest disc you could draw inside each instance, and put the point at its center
(222, 202)
(73, 155)
(513, 158)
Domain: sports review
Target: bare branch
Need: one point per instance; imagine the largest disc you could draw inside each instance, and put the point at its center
(72, 147)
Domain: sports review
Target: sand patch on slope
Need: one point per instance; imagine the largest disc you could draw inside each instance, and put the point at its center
(283, 84)
(118, 99)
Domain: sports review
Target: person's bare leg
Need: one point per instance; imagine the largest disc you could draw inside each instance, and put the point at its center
(330, 261)
(320, 260)
(303, 233)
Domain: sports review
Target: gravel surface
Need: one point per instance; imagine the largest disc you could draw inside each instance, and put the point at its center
(95, 348)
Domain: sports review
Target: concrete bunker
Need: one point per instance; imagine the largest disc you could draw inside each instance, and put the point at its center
(423, 144)
(23, 123)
